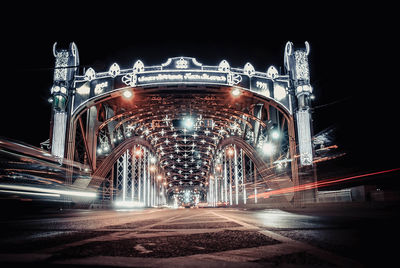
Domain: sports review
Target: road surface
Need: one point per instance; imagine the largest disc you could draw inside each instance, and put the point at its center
(204, 237)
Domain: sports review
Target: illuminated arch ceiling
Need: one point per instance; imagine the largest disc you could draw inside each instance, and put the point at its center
(178, 90)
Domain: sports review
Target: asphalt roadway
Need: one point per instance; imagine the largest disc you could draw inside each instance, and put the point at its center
(203, 237)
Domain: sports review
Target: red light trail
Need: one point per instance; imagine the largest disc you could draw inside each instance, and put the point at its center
(319, 184)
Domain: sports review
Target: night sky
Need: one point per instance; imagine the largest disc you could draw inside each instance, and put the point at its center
(349, 60)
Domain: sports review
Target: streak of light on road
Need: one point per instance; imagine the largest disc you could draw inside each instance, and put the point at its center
(319, 184)
(31, 189)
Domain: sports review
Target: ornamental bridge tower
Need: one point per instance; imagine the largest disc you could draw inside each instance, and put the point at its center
(65, 69)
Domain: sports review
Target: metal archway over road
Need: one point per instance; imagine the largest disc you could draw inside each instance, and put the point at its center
(184, 133)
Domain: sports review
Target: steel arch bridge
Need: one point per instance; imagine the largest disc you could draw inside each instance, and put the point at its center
(183, 132)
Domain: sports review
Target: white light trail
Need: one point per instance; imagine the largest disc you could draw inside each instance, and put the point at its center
(47, 190)
(128, 204)
(29, 193)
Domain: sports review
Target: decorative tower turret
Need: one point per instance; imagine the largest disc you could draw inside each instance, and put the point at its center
(296, 64)
(66, 64)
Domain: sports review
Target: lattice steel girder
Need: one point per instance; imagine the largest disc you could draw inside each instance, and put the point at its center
(204, 109)
(149, 108)
(134, 180)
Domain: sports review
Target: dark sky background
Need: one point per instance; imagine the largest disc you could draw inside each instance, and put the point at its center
(351, 54)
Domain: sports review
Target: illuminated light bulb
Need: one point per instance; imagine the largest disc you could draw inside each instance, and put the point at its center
(268, 148)
(275, 134)
(188, 123)
(279, 93)
(236, 92)
(230, 151)
(127, 94)
(138, 152)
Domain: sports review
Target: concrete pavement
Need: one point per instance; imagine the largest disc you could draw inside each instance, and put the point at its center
(197, 238)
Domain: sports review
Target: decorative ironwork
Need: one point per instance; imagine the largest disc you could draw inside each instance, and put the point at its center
(203, 128)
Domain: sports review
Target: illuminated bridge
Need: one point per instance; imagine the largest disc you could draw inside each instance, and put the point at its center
(183, 132)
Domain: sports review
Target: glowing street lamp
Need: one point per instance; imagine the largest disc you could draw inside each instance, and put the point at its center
(268, 148)
(230, 151)
(138, 152)
(218, 168)
(236, 92)
(275, 134)
(127, 94)
(188, 123)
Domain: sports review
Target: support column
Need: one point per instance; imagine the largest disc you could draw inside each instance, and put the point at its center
(216, 189)
(235, 162)
(221, 188)
(210, 198)
(91, 137)
(255, 182)
(243, 177)
(148, 179)
(125, 176)
(225, 180)
(144, 177)
(154, 193)
(230, 181)
(139, 163)
(134, 174)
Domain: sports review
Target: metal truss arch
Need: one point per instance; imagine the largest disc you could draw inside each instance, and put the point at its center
(104, 112)
(241, 171)
(107, 163)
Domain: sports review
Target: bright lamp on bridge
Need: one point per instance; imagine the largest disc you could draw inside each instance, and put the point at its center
(268, 148)
(230, 151)
(138, 152)
(218, 168)
(236, 92)
(127, 94)
(275, 134)
(188, 123)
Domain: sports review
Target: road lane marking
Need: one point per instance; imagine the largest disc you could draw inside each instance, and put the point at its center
(323, 254)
